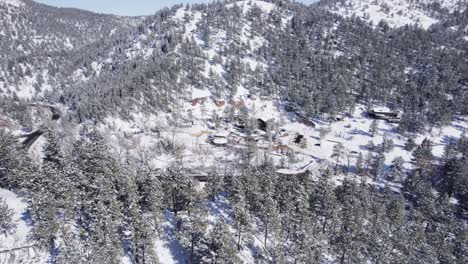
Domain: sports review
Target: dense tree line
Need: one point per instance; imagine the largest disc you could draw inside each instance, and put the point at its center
(102, 209)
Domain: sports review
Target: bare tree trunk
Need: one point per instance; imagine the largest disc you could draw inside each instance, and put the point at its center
(239, 239)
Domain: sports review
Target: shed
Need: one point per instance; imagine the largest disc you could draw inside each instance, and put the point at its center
(199, 101)
(298, 139)
(219, 103)
(262, 124)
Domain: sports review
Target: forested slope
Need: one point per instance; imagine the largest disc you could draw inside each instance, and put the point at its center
(235, 132)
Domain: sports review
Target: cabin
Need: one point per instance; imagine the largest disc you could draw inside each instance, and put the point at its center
(220, 138)
(282, 149)
(262, 124)
(339, 118)
(4, 123)
(238, 104)
(220, 142)
(391, 117)
(219, 103)
(286, 172)
(199, 101)
(252, 97)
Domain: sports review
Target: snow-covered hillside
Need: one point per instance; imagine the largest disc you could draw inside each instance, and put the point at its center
(256, 131)
(209, 140)
(397, 13)
(29, 46)
(15, 246)
(16, 3)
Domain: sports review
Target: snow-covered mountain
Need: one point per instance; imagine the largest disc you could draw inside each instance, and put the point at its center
(397, 13)
(33, 36)
(16, 3)
(254, 131)
(31, 28)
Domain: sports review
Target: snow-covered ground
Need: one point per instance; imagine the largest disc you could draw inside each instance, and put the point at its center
(396, 13)
(146, 135)
(197, 153)
(19, 237)
(247, 5)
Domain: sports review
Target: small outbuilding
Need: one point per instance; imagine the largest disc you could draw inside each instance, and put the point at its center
(262, 124)
(220, 138)
(298, 139)
(391, 117)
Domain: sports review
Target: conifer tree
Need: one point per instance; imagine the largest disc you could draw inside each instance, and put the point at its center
(6, 218)
(241, 218)
(220, 246)
(373, 128)
(397, 170)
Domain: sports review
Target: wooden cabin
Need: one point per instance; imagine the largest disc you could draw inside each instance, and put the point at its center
(199, 101)
(391, 117)
(305, 120)
(219, 103)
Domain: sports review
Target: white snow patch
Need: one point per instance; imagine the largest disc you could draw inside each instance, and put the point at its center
(68, 44)
(248, 4)
(396, 13)
(200, 93)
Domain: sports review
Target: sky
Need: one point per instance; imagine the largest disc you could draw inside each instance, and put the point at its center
(125, 7)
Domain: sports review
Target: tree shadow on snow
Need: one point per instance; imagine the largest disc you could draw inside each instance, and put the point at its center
(446, 140)
(359, 132)
(176, 249)
(220, 208)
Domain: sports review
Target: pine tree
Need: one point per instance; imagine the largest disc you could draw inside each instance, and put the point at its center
(397, 170)
(49, 194)
(72, 249)
(179, 190)
(349, 235)
(360, 164)
(214, 186)
(323, 202)
(396, 215)
(139, 217)
(338, 154)
(241, 217)
(98, 207)
(6, 218)
(410, 144)
(44, 218)
(309, 246)
(14, 162)
(373, 128)
(269, 216)
(423, 158)
(193, 229)
(220, 247)
(378, 164)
